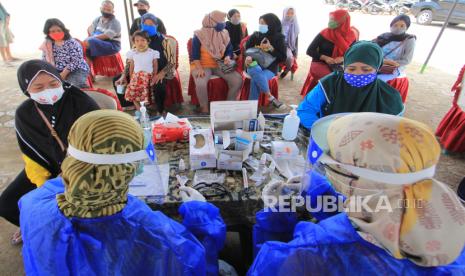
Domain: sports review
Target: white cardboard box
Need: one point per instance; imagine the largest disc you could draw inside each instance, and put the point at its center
(202, 153)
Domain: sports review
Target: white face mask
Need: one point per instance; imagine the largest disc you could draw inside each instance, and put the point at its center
(48, 96)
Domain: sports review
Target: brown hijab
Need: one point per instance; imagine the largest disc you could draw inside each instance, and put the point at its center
(215, 42)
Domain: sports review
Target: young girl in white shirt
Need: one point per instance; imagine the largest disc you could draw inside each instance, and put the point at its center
(142, 66)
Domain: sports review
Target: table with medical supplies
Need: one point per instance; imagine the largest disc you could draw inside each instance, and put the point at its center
(238, 205)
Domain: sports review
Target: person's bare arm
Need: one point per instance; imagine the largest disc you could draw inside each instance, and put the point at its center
(131, 68)
(154, 79)
(102, 37)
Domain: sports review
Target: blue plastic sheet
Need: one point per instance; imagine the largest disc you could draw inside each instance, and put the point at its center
(333, 247)
(135, 241)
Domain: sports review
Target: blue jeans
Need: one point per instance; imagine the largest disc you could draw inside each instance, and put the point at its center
(98, 47)
(259, 81)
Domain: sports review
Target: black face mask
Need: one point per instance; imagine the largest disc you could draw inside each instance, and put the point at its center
(106, 14)
(141, 12)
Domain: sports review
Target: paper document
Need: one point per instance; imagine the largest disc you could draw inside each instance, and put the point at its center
(146, 183)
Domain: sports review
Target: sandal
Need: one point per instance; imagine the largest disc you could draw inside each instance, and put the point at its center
(16, 239)
(276, 103)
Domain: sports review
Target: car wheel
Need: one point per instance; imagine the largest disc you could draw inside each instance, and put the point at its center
(425, 17)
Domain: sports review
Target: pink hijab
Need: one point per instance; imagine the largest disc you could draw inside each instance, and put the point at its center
(215, 42)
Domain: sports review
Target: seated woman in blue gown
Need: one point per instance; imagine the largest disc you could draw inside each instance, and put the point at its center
(85, 223)
(396, 220)
(356, 89)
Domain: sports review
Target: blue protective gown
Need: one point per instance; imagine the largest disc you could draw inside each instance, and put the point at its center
(135, 241)
(331, 247)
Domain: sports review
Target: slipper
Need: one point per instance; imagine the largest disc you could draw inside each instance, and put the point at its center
(16, 239)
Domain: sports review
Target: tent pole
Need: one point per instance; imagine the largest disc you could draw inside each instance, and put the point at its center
(127, 19)
(131, 10)
(423, 67)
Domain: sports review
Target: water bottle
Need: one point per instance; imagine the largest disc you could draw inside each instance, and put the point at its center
(291, 125)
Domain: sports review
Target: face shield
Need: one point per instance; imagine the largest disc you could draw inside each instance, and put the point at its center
(148, 181)
(326, 177)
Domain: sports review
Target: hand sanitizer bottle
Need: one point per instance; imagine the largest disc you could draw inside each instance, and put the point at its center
(291, 125)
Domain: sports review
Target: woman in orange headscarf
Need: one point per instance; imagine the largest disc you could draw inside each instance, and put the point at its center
(328, 47)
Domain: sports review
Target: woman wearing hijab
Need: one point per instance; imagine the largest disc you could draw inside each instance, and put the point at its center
(357, 89)
(210, 44)
(395, 218)
(42, 124)
(269, 39)
(237, 30)
(65, 53)
(451, 130)
(329, 46)
(85, 223)
(398, 47)
(291, 33)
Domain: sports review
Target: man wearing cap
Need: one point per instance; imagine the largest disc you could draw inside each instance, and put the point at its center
(143, 7)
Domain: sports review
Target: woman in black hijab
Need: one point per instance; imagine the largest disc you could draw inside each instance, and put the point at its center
(237, 30)
(271, 40)
(42, 123)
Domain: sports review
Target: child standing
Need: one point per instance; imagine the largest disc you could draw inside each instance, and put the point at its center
(142, 66)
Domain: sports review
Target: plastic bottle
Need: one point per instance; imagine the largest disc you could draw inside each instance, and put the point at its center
(261, 121)
(291, 125)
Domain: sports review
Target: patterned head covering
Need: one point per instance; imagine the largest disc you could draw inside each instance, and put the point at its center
(99, 190)
(427, 222)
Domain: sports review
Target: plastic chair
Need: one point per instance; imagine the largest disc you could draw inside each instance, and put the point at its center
(104, 98)
(217, 87)
(245, 91)
(401, 85)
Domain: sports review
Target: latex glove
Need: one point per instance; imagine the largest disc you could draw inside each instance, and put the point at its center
(271, 192)
(294, 183)
(191, 194)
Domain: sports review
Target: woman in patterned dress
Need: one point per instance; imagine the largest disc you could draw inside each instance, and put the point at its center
(65, 53)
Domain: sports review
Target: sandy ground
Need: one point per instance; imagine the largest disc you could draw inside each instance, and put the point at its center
(428, 100)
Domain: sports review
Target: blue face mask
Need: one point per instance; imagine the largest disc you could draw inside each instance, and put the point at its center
(220, 26)
(359, 80)
(151, 30)
(263, 28)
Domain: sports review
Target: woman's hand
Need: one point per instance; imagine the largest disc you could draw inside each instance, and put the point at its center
(248, 60)
(328, 60)
(265, 45)
(391, 62)
(339, 60)
(199, 72)
(158, 77)
(227, 60)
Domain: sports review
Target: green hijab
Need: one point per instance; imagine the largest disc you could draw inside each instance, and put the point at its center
(377, 96)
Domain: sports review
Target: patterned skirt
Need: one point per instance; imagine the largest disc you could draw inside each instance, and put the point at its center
(138, 89)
